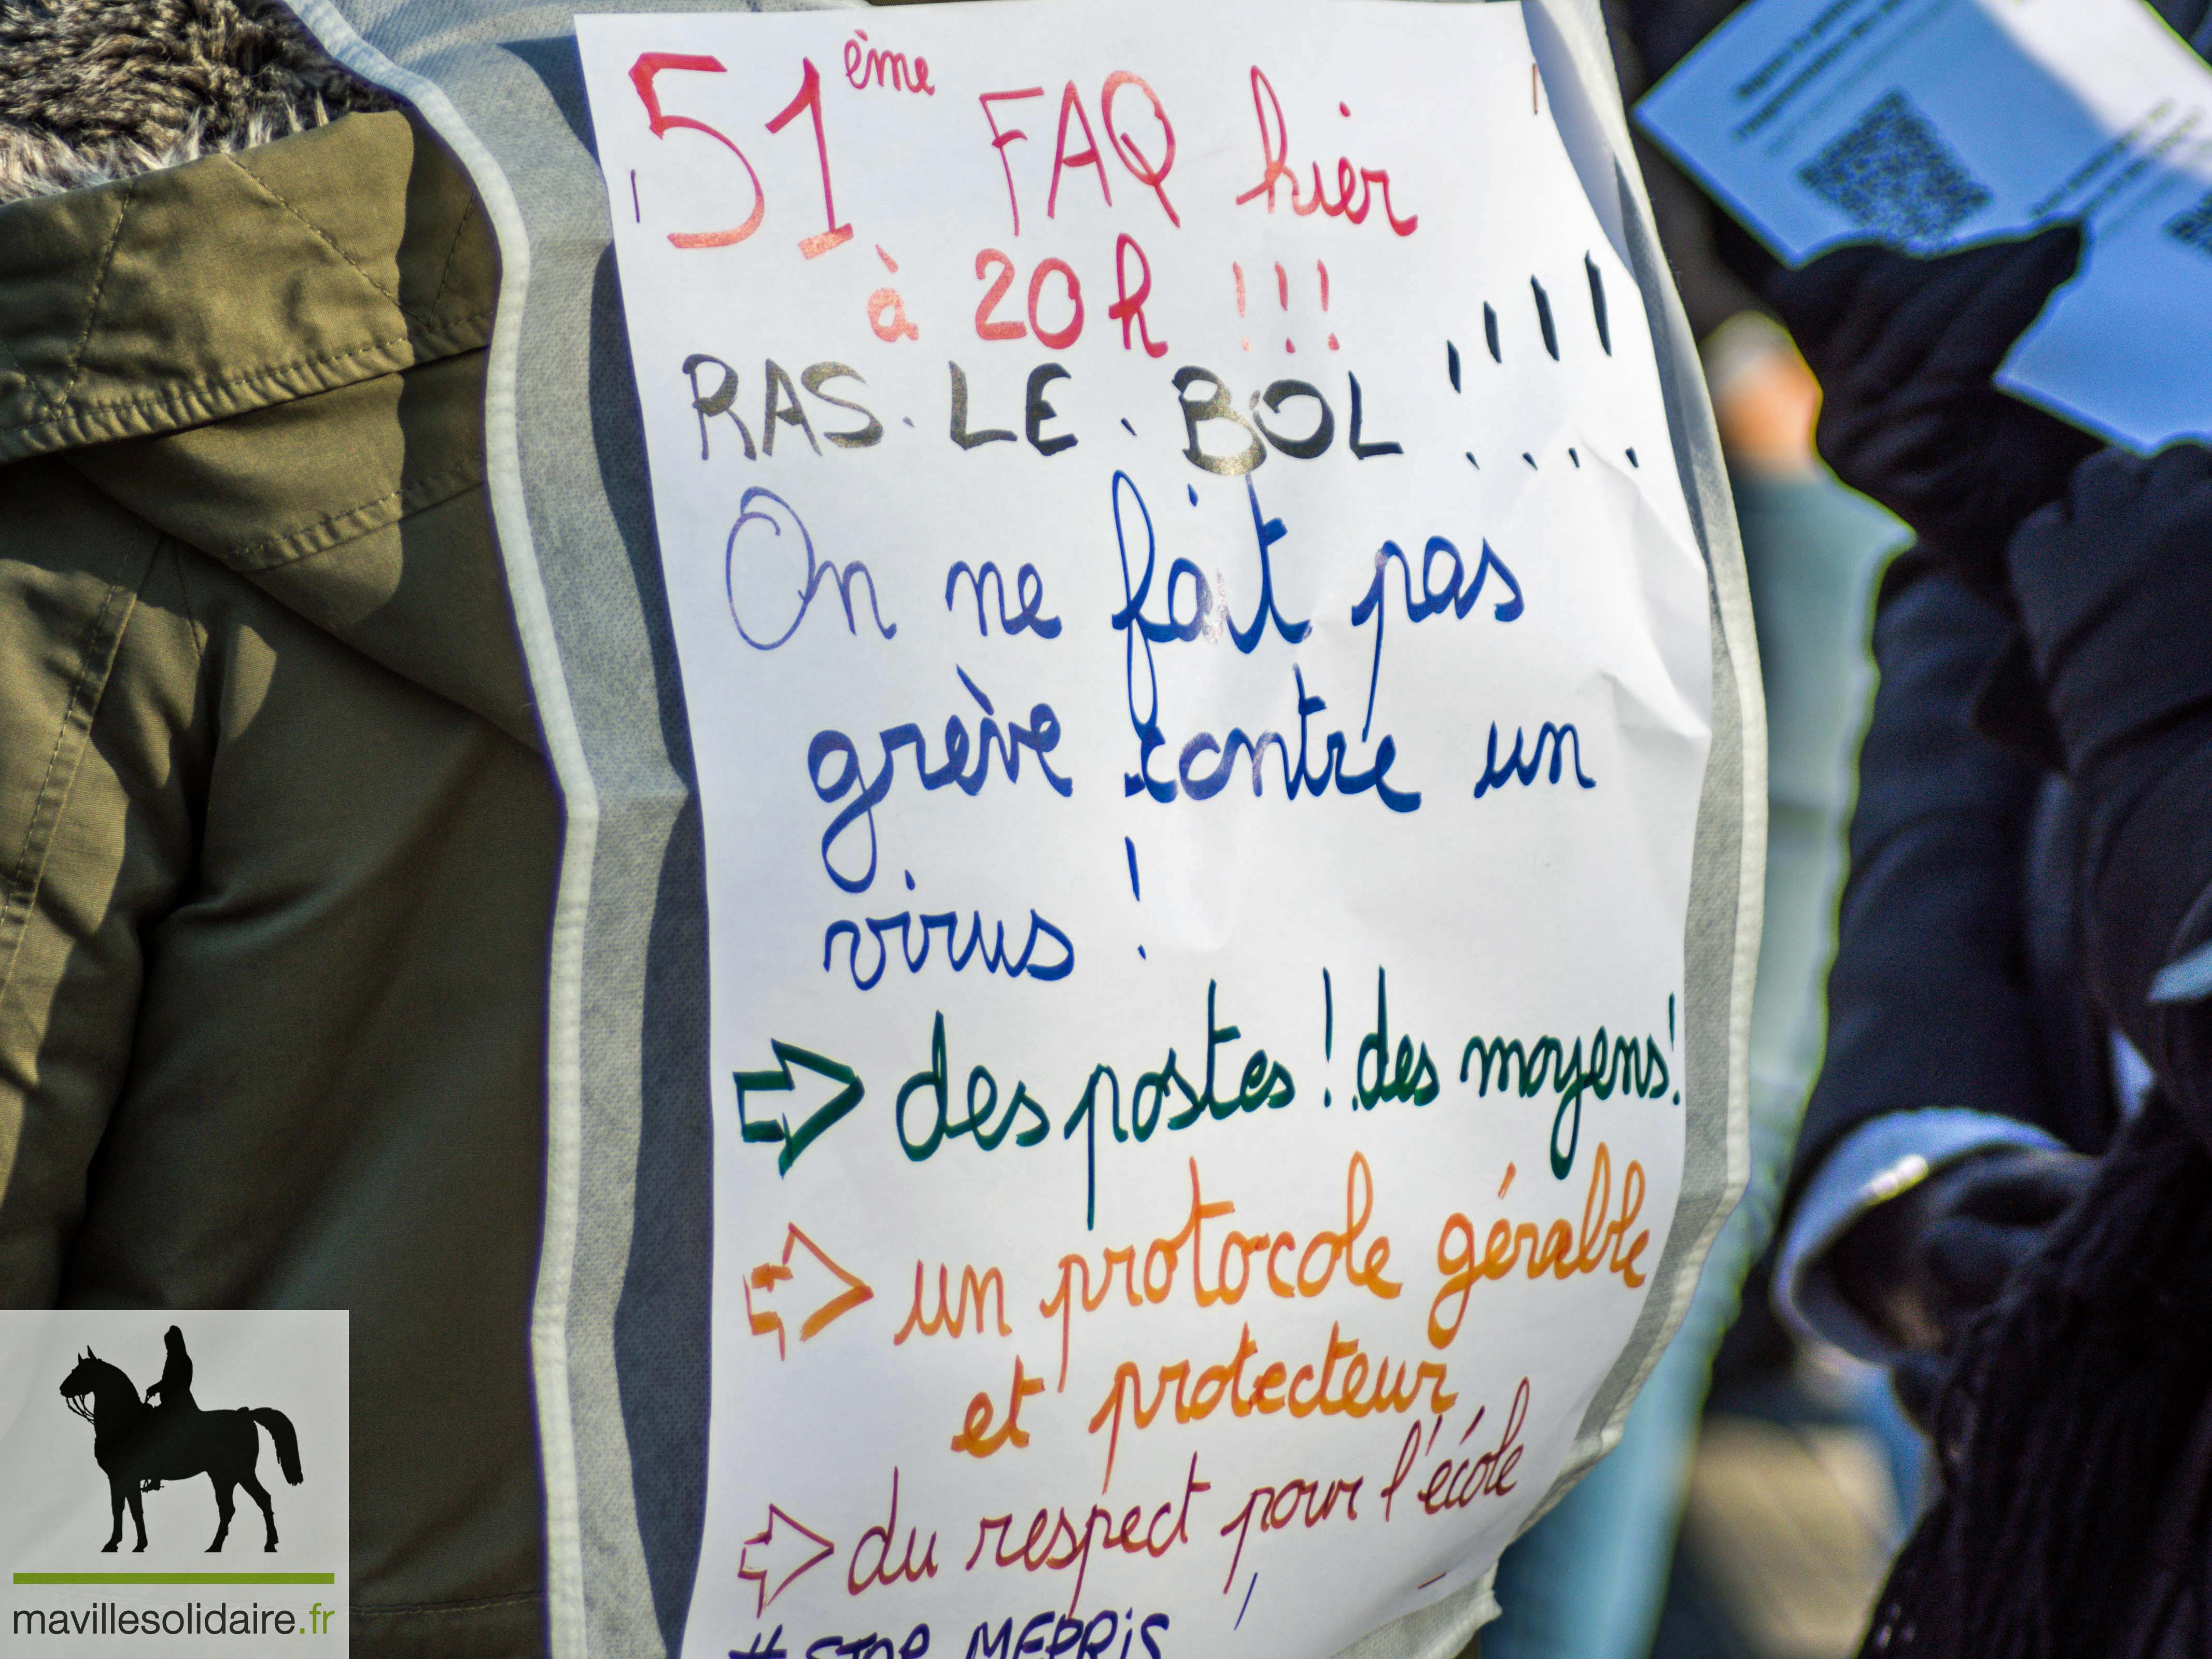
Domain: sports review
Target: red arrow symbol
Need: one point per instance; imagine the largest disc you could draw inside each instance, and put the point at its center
(765, 1543)
(769, 1274)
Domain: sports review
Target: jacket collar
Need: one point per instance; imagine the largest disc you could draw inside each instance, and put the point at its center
(216, 349)
(238, 281)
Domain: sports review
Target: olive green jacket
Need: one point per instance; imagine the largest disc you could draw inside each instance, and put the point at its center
(277, 839)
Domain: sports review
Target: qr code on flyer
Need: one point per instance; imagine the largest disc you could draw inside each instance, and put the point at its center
(1893, 174)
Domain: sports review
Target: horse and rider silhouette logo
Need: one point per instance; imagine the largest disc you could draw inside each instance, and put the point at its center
(139, 1445)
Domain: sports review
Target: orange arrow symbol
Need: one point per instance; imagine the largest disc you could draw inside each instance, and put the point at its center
(765, 1543)
(769, 1274)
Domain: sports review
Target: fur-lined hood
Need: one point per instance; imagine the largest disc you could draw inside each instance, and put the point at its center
(96, 90)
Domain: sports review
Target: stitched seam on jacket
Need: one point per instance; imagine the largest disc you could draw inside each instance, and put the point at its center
(96, 649)
(425, 493)
(54, 400)
(445, 271)
(445, 331)
(320, 234)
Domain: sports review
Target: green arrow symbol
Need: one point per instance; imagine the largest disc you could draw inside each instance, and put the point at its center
(796, 1141)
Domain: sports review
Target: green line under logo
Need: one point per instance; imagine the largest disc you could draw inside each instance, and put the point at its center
(176, 1579)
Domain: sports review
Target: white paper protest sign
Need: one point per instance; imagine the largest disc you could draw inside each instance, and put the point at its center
(1932, 124)
(1199, 678)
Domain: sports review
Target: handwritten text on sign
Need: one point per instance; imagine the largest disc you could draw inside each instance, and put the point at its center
(1198, 676)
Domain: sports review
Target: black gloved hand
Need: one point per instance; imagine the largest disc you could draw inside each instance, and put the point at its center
(1904, 349)
(1919, 1267)
(2112, 582)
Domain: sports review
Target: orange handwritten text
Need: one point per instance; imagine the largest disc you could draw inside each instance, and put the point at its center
(975, 1437)
(1600, 1246)
(1154, 1283)
(954, 1318)
(1362, 1385)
